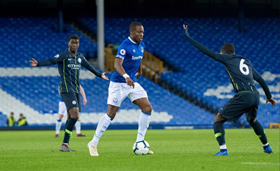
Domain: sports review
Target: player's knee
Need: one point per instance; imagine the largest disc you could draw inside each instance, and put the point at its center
(219, 118)
(147, 109)
(111, 115)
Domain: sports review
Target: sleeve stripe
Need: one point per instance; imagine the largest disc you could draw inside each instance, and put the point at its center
(119, 56)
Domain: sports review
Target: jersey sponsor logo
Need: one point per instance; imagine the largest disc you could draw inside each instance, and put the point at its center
(56, 56)
(122, 52)
(136, 57)
(79, 60)
(73, 66)
(74, 102)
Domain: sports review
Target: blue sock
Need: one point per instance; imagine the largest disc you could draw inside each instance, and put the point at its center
(68, 129)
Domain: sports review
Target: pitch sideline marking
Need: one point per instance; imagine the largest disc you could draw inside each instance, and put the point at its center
(253, 163)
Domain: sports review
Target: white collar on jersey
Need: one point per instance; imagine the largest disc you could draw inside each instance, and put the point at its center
(131, 40)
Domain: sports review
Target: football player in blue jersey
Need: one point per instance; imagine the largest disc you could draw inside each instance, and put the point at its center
(69, 64)
(123, 83)
(246, 100)
(62, 111)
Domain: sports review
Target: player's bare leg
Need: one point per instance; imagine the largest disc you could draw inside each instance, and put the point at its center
(145, 115)
(103, 124)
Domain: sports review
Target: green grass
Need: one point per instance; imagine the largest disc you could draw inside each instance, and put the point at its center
(176, 150)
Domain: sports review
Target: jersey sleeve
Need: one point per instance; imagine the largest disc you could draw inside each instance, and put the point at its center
(122, 51)
(261, 81)
(88, 66)
(56, 59)
(217, 56)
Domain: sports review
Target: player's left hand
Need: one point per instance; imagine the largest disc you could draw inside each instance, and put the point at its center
(137, 75)
(271, 100)
(104, 76)
(185, 26)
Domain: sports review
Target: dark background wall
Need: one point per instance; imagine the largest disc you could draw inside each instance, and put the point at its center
(160, 8)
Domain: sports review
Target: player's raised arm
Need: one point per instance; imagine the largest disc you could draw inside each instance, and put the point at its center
(119, 68)
(264, 86)
(199, 46)
(56, 59)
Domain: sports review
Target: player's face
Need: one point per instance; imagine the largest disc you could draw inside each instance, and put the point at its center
(73, 45)
(137, 34)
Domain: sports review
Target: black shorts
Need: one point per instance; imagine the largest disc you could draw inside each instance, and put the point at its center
(71, 100)
(243, 102)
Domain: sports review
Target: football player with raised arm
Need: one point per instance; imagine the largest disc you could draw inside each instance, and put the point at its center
(123, 83)
(69, 64)
(246, 100)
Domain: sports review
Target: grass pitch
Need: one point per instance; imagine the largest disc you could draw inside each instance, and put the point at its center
(177, 150)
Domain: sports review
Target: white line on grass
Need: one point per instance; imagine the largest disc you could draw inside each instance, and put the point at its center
(260, 163)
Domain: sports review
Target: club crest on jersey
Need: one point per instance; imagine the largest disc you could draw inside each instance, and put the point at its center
(56, 56)
(79, 60)
(133, 50)
(122, 51)
(74, 102)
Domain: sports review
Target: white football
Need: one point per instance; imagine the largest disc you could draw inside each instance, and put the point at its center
(141, 147)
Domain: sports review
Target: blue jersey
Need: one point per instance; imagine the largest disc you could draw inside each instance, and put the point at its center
(131, 53)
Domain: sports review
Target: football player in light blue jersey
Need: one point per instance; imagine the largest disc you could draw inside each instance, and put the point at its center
(124, 84)
(62, 111)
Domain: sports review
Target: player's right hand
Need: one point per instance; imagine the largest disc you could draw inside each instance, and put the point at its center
(129, 82)
(33, 62)
(271, 100)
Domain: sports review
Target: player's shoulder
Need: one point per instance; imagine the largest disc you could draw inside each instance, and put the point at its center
(79, 54)
(61, 54)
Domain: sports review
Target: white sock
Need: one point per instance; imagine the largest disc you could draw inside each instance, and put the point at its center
(265, 144)
(78, 127)
(103, 124)
(223, 147)
(57, 126)
(143, 125)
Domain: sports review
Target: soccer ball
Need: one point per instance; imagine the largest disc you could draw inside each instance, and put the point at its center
(141, 147)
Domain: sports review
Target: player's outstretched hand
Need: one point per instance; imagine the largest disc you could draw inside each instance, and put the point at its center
(104, 76)
(129, 82)
(185, 26)
(33, 62)
(271, 100)
(137, 75)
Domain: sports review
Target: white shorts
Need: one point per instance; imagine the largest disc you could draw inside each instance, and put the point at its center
(119, 91)
(62, 110)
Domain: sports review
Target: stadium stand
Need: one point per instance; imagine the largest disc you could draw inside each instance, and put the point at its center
(34, 91)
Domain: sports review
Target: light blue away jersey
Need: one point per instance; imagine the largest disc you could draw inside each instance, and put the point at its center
(132, 54)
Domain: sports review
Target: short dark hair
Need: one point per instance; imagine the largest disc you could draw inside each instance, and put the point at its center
(228, 48)
(133, 25)
(73, 36)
